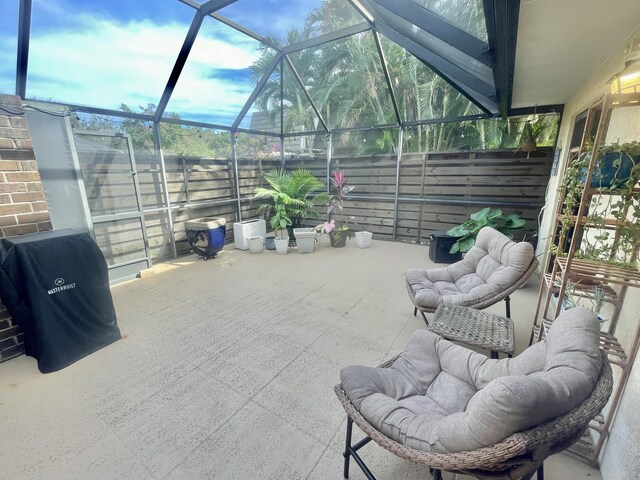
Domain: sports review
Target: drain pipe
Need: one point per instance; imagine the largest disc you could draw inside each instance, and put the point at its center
(165, 185)
(395, 203)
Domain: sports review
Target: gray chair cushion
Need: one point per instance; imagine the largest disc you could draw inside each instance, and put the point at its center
(493, 264)
(443, 398)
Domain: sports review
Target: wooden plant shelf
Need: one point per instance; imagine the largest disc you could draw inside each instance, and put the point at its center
(609, 273)
(584, 290)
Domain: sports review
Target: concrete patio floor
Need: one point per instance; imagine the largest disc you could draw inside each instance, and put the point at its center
(226, 371)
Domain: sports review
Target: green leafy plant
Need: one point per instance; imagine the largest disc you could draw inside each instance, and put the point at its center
(292, 197)
(532, 131)
(487, 217)
(614, 202)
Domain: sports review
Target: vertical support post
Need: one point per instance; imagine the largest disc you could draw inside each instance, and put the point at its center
(282, 159)
(22, 57)
(234, 159)
(329, 154)
(157, 142)
(395, 203)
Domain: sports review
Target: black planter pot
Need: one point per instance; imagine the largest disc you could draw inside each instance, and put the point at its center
(338, 238)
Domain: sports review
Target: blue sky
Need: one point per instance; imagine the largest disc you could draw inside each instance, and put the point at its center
(106, 52)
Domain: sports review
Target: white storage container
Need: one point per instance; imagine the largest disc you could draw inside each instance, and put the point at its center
(248, 228)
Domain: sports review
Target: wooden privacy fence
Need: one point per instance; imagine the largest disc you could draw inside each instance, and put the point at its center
(435, 192)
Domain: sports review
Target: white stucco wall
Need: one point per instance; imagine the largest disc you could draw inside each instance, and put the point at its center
(621, 459)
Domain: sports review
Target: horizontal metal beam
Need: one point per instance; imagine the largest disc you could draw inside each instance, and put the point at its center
(327, 37)
(437, 26)
(191, 3)
(194, 123)
(246, 31)
(302, 134)
(258, 132)
(437, 121)
(447, 201)
(364, 129)
(210, 203)
(541, 109)
(211, 6)
(106, 112)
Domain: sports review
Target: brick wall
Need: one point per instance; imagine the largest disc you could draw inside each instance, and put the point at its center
(23, 208)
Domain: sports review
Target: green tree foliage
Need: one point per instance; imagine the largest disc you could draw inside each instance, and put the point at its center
(345, 80)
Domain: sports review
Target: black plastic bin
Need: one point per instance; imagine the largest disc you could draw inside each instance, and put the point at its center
(206, 236)
(439, 247)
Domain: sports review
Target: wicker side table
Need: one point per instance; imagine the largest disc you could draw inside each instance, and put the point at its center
(474, 327)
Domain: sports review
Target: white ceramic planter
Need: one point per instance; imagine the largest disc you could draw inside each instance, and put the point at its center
(282, 245)
(256, 243)
(248, 228)
(363, 239)
(305, 239)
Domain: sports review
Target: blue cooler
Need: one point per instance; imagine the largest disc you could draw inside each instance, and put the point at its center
(206, 236)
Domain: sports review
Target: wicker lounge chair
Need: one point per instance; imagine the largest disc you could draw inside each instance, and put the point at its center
(491, 271)
(578, 383)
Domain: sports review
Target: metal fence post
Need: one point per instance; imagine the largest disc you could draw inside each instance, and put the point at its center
(165, 185)
(395, 203)
(234, 158)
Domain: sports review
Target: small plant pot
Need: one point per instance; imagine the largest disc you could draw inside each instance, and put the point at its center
(529, 146)
(282, 245)
(363, 239)
(305, 239)
(338, 237)
(270, 243)
(256, 243)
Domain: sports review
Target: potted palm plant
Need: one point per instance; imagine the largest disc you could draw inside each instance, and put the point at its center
(295, 193)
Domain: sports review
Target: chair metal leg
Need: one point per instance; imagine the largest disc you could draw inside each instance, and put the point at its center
(435, 474)
(424, 317)
(494, 355)
(415, 311)
(507, 306)
(351, 451)
(347, 446)
(541, 472)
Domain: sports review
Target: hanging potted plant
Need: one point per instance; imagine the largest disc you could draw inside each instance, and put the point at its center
(531, 133)
(336, 225)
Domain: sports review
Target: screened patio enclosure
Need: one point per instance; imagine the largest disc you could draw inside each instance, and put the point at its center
(412, 99)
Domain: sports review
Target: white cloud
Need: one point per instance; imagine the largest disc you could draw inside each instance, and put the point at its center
(105, 63)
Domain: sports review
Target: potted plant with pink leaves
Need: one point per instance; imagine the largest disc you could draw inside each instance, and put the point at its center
(336, 225)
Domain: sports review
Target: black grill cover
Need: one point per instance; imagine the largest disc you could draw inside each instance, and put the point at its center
(56, 287)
